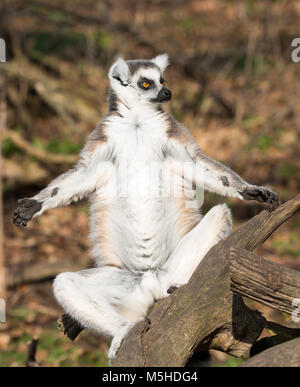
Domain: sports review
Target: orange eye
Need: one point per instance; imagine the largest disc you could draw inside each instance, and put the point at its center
(146, 84)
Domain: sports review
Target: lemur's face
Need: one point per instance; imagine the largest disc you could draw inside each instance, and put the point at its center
(140, 81)
(149, 84)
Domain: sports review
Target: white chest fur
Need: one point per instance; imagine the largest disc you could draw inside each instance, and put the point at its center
(138, 135)
(141, 218)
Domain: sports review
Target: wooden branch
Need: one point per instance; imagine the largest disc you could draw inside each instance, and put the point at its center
(40, 154)
(266, 282)
(204, 313)
(282, 355)
(37, 272)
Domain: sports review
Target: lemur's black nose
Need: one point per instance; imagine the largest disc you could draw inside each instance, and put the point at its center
(164, 95)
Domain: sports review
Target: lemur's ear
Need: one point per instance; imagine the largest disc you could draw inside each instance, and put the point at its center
(120, 71)
(162, 61)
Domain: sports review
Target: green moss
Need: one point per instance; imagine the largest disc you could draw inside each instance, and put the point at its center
(57, 146)
(186, 24)
(287, 170)
(11, 357)
(264, 142)
(8, 148)
(22, 314)
(231, 362)
(63, 147)
(290, 247)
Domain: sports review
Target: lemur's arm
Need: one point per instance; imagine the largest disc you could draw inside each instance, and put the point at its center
(211, 175)
(74, 185)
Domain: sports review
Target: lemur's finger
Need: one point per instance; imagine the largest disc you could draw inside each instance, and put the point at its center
(17, 222)
(272, 200)
(16, 212)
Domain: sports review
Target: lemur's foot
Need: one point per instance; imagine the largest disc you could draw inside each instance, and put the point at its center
(69, 326)
(25, 211)
(263, 195)
(172, 289)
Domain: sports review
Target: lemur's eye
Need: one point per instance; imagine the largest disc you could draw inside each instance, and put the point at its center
(146, 84)
(162, 82)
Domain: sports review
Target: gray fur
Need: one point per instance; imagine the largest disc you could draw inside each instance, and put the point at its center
(135, 65)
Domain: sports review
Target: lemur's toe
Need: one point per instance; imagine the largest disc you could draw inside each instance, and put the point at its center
(172, 289)
(273, 200)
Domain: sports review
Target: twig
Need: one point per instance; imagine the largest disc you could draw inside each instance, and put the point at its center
(38, 272)
(32, 348)
(40, 154)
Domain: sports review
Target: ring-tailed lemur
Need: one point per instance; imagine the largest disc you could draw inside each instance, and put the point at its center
(143, 244)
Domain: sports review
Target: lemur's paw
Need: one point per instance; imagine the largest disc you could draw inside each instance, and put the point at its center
(25, 211)
(69, 326)
(263, 195)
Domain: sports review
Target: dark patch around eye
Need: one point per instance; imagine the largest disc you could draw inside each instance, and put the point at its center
(143, 80)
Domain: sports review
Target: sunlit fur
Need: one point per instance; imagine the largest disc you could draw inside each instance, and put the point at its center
(142, 244)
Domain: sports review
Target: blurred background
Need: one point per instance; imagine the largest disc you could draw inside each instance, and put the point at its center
(234, 85)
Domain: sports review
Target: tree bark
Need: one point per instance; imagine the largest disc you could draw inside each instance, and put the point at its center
(2, 130)
(282, 355)
(266, 282)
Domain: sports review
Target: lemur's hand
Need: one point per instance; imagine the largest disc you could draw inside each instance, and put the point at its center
(263, 195)
(27, 208)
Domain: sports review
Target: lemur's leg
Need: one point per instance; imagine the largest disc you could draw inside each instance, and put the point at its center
(213, 227)
(107, 300)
